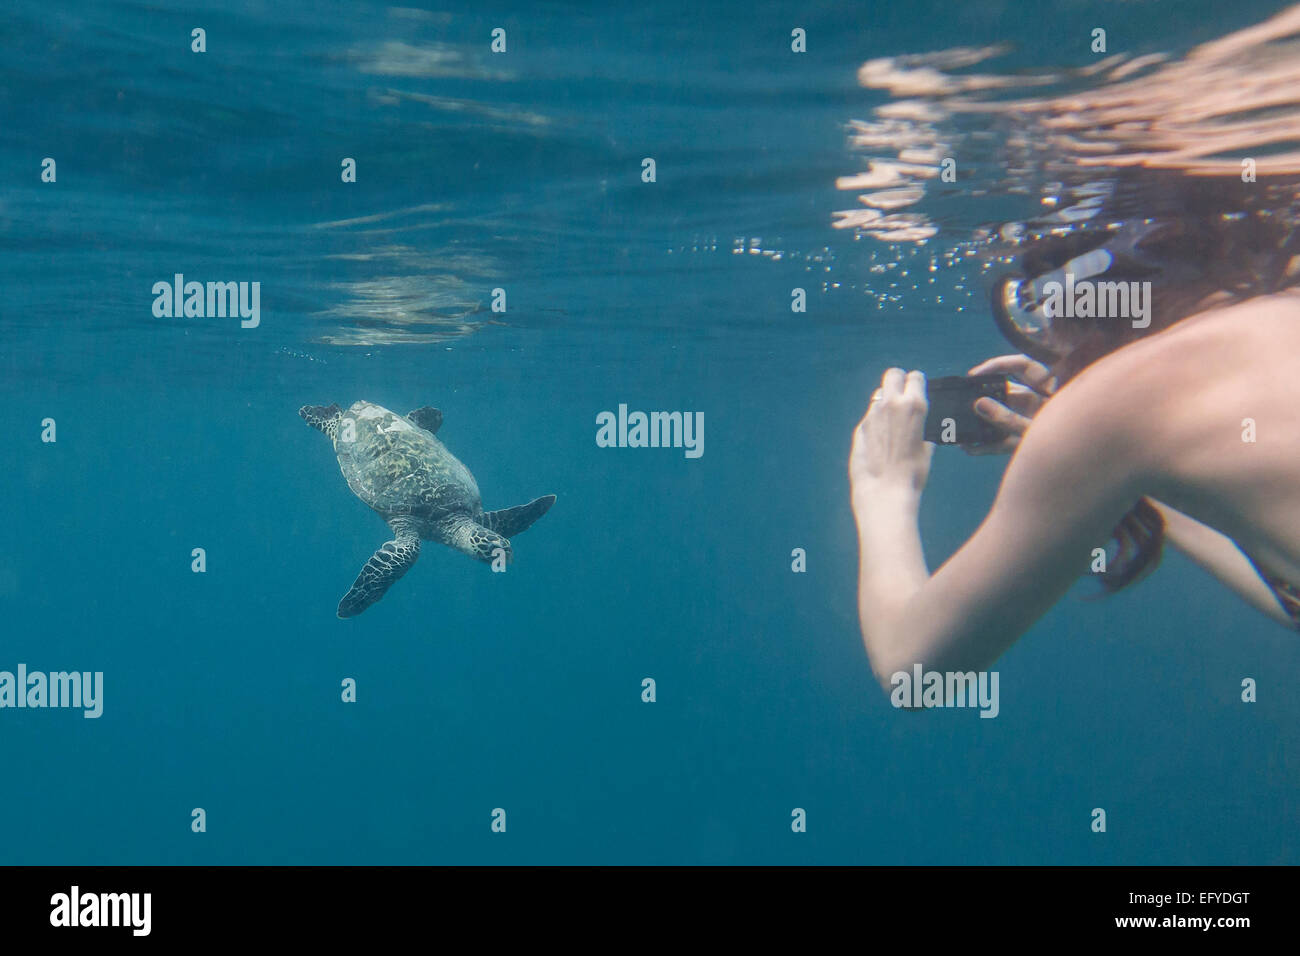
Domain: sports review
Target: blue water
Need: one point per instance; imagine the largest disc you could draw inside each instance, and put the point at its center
(522, 690)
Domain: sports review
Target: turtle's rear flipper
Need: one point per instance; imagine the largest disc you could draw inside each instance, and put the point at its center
(385, 566)
(510, 521)
(474, 539)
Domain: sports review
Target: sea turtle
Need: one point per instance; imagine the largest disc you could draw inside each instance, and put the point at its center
(395, 464)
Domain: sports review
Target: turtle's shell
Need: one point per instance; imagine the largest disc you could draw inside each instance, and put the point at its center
(398, 468)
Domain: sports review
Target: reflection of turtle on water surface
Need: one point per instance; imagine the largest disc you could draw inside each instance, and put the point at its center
(397, 466)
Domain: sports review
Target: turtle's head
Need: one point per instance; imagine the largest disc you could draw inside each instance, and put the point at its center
(324, 418)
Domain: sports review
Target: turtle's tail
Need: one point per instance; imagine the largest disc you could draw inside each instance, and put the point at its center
(510, 521)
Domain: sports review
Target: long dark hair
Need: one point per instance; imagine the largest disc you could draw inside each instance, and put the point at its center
(1201, 235)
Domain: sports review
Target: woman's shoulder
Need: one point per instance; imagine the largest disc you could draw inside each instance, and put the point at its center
(1257, 328)
(1146, 395)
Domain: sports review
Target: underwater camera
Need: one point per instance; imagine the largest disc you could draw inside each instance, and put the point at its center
(952, 419)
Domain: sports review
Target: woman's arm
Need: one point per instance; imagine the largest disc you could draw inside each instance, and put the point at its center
(1218, 554)
(1212, 550)
(1073, 476)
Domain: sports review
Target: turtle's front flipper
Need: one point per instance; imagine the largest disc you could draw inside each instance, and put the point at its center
(385, 566)
(474, 539)
(430, 419)
(510, 521)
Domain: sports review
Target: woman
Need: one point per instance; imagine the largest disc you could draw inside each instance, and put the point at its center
(1182, 175)
(1188, 430)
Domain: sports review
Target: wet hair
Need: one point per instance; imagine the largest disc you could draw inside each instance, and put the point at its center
(1220, 237)
(1207, 235)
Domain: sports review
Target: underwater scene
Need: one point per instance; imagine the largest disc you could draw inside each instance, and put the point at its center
(441, 434)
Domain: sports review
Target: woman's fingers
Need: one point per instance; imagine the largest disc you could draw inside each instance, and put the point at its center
(1013, 417)
(1009, 421)
(1034, 374)
(914, 393)
(1015, 364)
(1023, 400)
(1004, 447)
(872, 404)
(889, 444)
(898, 391)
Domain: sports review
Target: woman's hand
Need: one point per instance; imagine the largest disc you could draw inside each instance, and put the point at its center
(889, 455)
(1022, 404)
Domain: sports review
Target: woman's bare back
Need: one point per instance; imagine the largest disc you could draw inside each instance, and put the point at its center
(1215, 401)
